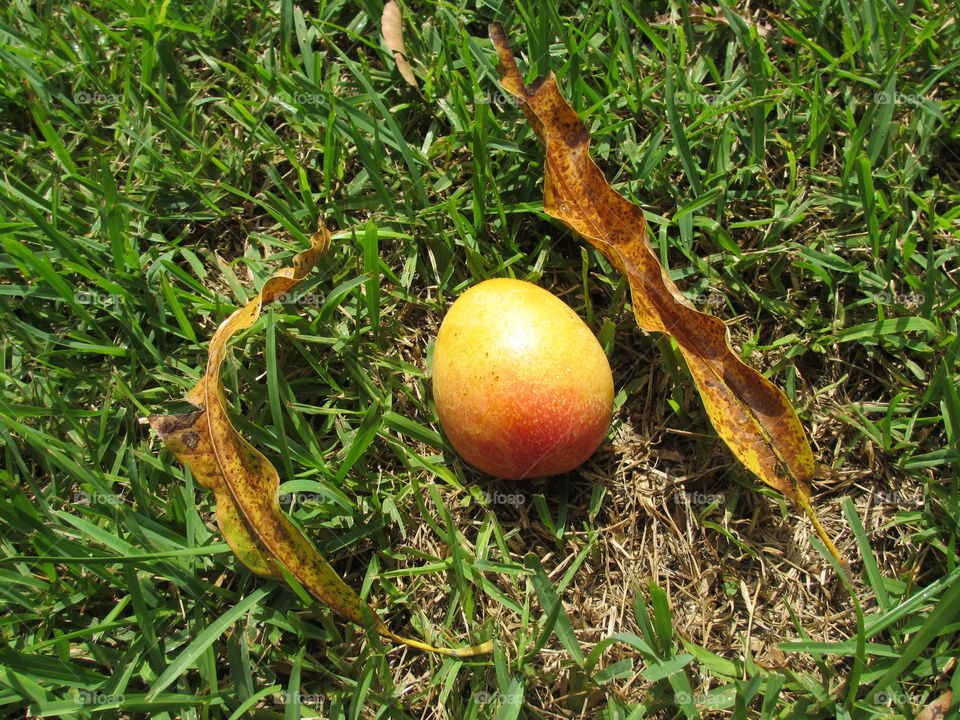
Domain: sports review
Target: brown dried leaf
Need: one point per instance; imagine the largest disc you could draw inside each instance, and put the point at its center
(751, 414)
(938, 708)
(391, 25)
(187, 438)
(246, 485)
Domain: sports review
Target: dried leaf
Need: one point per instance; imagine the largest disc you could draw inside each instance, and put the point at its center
(391, 25)
(186, 437)
(246, 485)
(938, 708)
(751, 414)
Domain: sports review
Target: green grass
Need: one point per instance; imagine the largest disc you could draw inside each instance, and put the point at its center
(161, 160)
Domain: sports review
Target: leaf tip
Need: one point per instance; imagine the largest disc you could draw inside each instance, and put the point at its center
(484, 648)
(507, 66)
(802, 497)
(391, 26)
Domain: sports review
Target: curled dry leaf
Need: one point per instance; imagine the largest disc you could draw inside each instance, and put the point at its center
(391, 25)
(750, 414)
(938, 709)
(246, 485)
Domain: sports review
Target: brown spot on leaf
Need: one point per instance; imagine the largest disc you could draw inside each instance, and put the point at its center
(171, 424)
